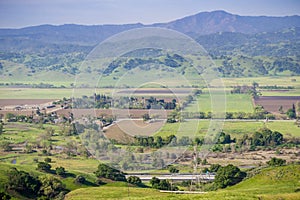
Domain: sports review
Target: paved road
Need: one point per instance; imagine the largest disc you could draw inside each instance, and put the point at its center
(176, 177)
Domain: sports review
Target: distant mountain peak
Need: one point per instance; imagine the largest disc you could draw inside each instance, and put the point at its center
(203, 23)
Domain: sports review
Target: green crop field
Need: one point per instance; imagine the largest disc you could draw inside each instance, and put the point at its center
(236, 128)
(47, 93)
(264, 81)
(234, 103)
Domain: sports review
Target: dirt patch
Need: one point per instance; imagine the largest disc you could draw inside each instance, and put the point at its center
(17, 102)
(253, 158)
(123, 131)
(157, 91)
(273, 103)
(119, 113)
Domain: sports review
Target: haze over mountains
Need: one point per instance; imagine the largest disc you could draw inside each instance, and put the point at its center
(200, 24)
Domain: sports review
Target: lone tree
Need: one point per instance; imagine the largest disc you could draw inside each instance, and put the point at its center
(229, 175)
(291, 113)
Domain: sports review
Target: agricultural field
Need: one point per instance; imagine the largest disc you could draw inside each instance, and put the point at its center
(236, 128)
(273, 103)
(234, 103)
(196, 128)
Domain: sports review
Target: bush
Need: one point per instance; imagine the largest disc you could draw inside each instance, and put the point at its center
(47, 160)
(5, 146)
(79, 179)
(276, 162)
(173, 170)
(134, 180)
(4, 196)
(99, 182)
(42, 166)
(60, 171)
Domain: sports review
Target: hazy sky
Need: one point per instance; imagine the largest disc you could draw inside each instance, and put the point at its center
(21, 13)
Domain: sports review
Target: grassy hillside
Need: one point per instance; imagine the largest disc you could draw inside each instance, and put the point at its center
(270, 183)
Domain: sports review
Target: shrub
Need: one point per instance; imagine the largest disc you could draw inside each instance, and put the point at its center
(134, 180)
(42, 166)
(47, 160)
(60, 171)
(276, 162)
(79, 179)
(173, 170)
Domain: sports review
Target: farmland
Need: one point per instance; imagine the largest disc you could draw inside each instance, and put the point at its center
(273, 103)
(133, 142)
(203, 103)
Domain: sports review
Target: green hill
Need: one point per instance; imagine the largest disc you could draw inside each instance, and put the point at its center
(271, 183)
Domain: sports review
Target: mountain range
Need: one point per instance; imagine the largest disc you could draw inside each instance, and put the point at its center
(265, 45)
(203, 23)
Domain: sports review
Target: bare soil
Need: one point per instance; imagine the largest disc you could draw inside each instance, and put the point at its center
(16, 102)
(124, 130)
(273, 103)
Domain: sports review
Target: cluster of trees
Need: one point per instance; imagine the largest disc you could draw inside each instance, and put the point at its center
(104, 101)
(44, 186)
(259, 113)
(227, 175)
(38, 117)
(135, 180)
(105, 171)
(266, 137)
(173, 61)
(155, 142)
(291, 113)
(158, 141)
(276, 87)
(263, 137)
(156, 183)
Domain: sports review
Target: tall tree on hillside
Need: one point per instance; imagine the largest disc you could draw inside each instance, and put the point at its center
(291, 113)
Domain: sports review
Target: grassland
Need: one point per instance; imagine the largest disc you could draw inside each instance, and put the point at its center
(261, 186)
(18, 133)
